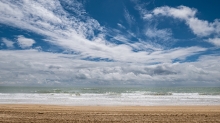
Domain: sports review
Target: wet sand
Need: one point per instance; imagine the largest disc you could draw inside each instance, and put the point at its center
(108, 114)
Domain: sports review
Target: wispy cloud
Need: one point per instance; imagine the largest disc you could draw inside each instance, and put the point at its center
(163, 34)
(120, 25)
(141, 7)
(215, 41)
(129, 18)
(8, 43)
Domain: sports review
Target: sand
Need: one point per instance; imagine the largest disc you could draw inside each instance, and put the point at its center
(108, 114)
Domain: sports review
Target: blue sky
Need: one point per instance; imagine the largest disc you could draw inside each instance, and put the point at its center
(110, 42)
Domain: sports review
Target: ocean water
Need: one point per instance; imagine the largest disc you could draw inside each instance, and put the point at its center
(112, 96)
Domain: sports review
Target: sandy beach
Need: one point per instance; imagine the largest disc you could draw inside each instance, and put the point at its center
(112, 114)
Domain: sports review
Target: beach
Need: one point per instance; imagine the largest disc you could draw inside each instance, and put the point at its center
(21, 113)
(109, 104)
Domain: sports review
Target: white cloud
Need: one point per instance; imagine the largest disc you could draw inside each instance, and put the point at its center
(25, 42)
(9, 10)
(163, 34)
(201, 28)
(33, 67)
(166, 56)
(61, 29)
(216, 25)
(215, 41)
(147, 16)
(8, 43)
(181, 12)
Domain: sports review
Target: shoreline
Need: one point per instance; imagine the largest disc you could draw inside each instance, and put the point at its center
(109, 105)
(83, 114)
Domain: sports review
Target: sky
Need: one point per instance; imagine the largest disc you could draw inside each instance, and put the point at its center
(110, 42)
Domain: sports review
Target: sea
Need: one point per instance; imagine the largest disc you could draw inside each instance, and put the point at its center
(111, 96)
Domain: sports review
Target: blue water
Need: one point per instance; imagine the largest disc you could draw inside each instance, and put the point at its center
(143, 96)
